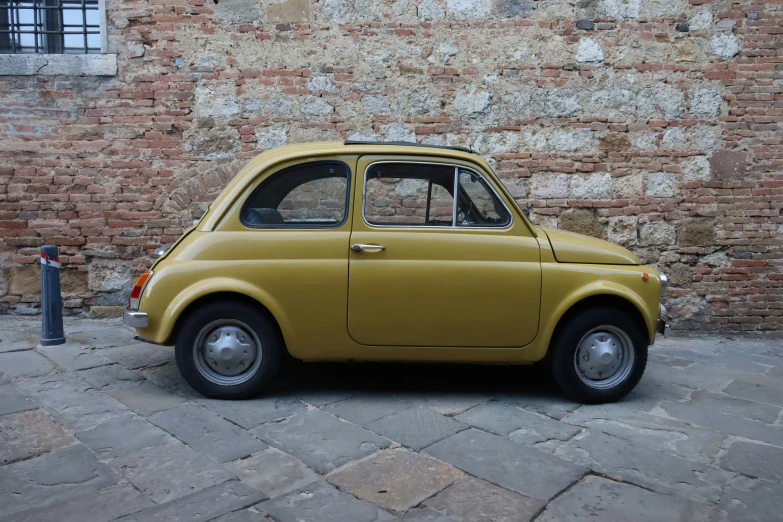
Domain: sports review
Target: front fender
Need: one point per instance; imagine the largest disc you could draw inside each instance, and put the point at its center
(162, 325)
(562, 293)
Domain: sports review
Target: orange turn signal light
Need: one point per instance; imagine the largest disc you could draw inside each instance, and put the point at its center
(645, 276)
(138, 288)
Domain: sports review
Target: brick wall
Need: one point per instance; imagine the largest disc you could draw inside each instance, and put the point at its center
(653, 123)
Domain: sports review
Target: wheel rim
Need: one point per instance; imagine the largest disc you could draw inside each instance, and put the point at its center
(604, 357)
(227, 352)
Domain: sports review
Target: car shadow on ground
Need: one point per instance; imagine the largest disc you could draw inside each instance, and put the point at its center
(402, 379)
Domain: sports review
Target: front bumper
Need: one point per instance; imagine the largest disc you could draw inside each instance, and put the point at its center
(662, 327)
(135, 319)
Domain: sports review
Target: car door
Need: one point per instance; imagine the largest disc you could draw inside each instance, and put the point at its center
(426, 270)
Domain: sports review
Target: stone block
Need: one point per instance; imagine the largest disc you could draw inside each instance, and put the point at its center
(108, 275)
(365, 408)
(52, 478)
(696, 232)
(14, 401)
(765, 413)
(273, 472)
(270, 138)
(729, 164)
(661, 185)
(140, 355)
(111, 437)
(551, 405)
(549, 186)
(320, 440)
(622, 230)
(640, 464)
(615, 142)
(512, 8)
(680, 275)
(73, 356)
(585, 25)
(589, 51)
(146, 398)
(475, 500)
(725, 45)
(28, 434)
(100, 506)
(315, 107)
(288, 11)
(430, 11)
(508, 464)
(590, 186)
(469, 10)
(321, 502)
(169, 472)
(72, 281)
(668, 435)
(203, 506)
(756, 460)
(444, 402)
(472, 103)
(25, 280)
(742, 389)
(395, 480)
(110, 377)
(101, 337)
(58, 65)
(106, 312)
(750, 500)
(416, 427)
(619, 502)
(424, 515)
(211, 435)
(250, 413)
(520, 425)
(657, 233)
(705, 102)
(238, 11)
(24, 364)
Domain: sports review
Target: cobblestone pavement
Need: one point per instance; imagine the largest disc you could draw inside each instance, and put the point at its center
(103, 428)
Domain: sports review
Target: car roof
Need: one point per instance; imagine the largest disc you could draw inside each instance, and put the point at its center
(315, 150)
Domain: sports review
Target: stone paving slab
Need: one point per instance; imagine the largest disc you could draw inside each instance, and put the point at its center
(416, 427)
(703, 428)
(507, 464)
(203, 430)
(28, 434)
(617, 502)
(102, 506)
(475, 500)
(146, 398)
(273, 472)
(24, 364)
(171, 471)
(755, 460)
(641, 465)
(365, 408)
(321, 502)
(51, 478)
(320, 440)
(750, 500)
(202, 506)
(74, 356)
(119, 436)
(13, 401)
(396, 480)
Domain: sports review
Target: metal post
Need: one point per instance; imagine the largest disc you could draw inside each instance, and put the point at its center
(51, 301)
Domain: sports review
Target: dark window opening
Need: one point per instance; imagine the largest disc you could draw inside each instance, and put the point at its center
(50, 27)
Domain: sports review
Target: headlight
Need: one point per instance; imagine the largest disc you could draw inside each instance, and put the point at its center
(664, 283)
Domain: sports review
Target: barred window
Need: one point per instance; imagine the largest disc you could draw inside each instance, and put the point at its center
(50, 26)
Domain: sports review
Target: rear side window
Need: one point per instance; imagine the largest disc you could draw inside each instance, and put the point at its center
(310, 195)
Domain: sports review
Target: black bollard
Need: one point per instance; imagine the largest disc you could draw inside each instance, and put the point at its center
(51, 301)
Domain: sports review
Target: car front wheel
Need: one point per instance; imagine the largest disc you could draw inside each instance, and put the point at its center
(228, 350)
(599, 355)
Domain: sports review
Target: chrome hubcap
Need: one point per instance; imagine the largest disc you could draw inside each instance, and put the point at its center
(604, 357)
(227, 352)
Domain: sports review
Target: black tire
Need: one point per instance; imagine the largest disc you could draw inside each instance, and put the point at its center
(242, 315)
(567, 340)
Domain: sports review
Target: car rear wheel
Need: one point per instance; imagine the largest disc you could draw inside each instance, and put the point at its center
(599, 355)
(228, 350)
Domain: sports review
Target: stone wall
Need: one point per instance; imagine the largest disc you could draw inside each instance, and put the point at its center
(653, 123)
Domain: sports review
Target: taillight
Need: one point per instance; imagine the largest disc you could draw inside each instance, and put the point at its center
(138, 288)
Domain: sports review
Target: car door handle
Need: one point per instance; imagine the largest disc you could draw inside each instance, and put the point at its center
(369, 248)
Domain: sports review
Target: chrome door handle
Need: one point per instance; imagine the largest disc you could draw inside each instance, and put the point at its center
(369, 248)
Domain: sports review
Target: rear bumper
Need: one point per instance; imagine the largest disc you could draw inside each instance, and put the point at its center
(663, 326)
(135, 319)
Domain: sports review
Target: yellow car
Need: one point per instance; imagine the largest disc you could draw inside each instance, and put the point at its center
(362, 251)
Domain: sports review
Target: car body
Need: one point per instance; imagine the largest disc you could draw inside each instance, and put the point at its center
(387, 265)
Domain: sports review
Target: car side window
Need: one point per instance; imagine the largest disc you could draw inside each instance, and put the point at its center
(409, 194)
(310, 195)
(477, 206)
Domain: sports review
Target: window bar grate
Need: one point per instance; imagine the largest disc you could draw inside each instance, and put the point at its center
(50, 26)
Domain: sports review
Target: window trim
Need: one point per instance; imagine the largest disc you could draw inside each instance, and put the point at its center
(453, 225)
(300, 226)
